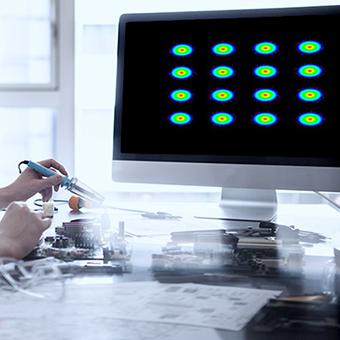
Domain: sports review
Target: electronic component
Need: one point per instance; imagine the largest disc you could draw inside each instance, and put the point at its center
(48, 209)
(269, 249)
(91, 243)
(316, 318)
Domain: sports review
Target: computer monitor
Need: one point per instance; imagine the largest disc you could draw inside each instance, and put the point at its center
(236, 99)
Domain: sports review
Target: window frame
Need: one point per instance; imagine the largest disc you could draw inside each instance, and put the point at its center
(53, 84)
(60, 95)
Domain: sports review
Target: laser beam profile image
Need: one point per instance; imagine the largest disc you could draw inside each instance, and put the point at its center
(181, 72)
(222, 118)
(310, 71)
(265, 48)
(309, 47)
(265, 95)
(222, 95)
(310, 95)
(265, 71)
(182, 50)
(223, 49)
(310, 119)
(181, 95)
(223, 72)
(180, 118)
(265, 119)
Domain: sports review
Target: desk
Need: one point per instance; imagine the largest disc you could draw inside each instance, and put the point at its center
(90, 293)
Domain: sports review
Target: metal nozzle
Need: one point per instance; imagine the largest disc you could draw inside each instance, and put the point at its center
(82, 190)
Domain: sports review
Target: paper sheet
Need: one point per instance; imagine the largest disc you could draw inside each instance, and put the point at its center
(219, 307)
(228, 308)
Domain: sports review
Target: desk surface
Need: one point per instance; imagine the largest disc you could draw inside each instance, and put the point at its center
(151, 236)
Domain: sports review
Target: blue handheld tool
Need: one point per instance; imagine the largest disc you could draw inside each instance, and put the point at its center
(71, 184)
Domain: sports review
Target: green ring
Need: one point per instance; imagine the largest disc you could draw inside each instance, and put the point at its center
(222, 95)
(309, 47)
(310, 95)
(180, 118)
(182, 50)
(266, 48)
(222, 118)
(265, 71)
(223, 72)
(310, 119)
(181, 95)
(310, 71)
(265, 95)
(265, 118)
(181, 72)
(223, 49)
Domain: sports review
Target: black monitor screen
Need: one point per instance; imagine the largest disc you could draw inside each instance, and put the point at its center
(257, 86)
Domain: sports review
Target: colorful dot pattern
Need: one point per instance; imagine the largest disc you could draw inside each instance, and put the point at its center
(223, 72)
(265, 71)
(266, 48)
(266, 51)
(181, 72)
(265, 119)
(310, 119)
(223, 49)
(182, 50)
(180, 118)
(222, 118)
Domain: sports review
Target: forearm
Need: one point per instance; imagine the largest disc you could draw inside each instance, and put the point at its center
(5, 247)
(5, 197)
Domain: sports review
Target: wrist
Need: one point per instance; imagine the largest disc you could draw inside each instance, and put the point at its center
(6, 197)
(6, 249)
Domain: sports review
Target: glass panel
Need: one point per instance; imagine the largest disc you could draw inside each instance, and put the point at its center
(24, 134)
(26, 42)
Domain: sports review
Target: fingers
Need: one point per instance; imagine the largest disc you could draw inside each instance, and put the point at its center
(46, 223)
(51, 181)
(51, 163)
(46, 194)
(17, 205)
(42, 222)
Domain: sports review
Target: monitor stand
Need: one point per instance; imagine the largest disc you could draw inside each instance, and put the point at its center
(244, 204)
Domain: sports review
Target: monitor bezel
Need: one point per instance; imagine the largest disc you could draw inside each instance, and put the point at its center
(263, 168)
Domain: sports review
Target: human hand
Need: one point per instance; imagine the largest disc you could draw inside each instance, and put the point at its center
(30, 182)
(20, 230)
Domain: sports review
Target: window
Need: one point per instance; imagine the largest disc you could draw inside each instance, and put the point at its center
(27, 43)
(33, 138)
(36, 83)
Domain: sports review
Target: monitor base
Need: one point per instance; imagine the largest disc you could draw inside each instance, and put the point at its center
(244, 205)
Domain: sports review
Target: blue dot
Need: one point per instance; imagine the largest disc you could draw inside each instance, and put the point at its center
(181, 72)
(223, 49)
(265, 95)
(310, 119)
(265, 119)
(310, 71)
(310, 95)
(309, 47)
(180, 118)
(266, 48)
(182, 50)
(265, 71)
(222, 118)
(181, 95)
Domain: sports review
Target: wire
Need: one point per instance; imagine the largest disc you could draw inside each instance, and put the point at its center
(330, 201)
(20, 164)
